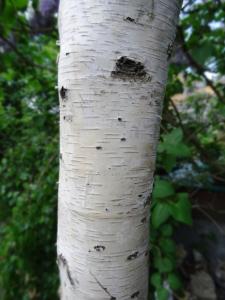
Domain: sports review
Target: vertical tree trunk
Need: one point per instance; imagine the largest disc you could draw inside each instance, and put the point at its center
(112, 75)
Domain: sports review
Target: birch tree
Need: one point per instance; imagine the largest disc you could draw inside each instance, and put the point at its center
(112, 75)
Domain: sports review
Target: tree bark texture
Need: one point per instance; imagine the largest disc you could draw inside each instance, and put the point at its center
(112, 75)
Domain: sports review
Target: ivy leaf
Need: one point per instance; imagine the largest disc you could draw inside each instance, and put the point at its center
(156, 280)
(166, 230)
(162, 294)
(168, 161)
(181, 209)
(162, 189)
(172, 144)
(174, 282)
(167, 245)
(160, 214)
(163, 264)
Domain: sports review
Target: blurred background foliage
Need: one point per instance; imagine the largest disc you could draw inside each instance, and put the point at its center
(191, 152)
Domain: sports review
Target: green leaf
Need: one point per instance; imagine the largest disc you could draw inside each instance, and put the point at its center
(168, 161)
(174, 137)
(172, 144)
(162, 189)
(181, 209)
(166, 230)
(174, 282)
(167, 245)
(203, 52)
(163, 264)
(156, 280)
(21, 4)
(183, 150)
(162, 294)
(2, 5)
(160, 214)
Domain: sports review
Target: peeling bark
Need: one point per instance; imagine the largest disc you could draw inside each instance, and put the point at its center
(112, 75)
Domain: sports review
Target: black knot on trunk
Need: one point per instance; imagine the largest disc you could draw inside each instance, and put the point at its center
(133, 256)
(127, 68)
(135, 295)
(63, 93)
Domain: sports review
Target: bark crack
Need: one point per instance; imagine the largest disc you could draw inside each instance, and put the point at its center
(151, 14)
(102, 287)
(62, 259)
(169, 50)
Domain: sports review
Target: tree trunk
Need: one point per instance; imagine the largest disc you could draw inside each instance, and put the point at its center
(112, 75)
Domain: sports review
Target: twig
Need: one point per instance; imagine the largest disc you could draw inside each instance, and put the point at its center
(198, 67)
(209, 217)
(177, 115)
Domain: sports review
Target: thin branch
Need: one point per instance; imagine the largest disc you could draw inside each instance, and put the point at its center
(177, 115)
(189, 137)
(187, 4)
(200, 69)
(209, 217)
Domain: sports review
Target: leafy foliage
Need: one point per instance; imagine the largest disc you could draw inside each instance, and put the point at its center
(28, 159)
(169, 208)
(190, 135)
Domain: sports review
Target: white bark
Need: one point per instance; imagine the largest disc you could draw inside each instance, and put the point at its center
(112, 74)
